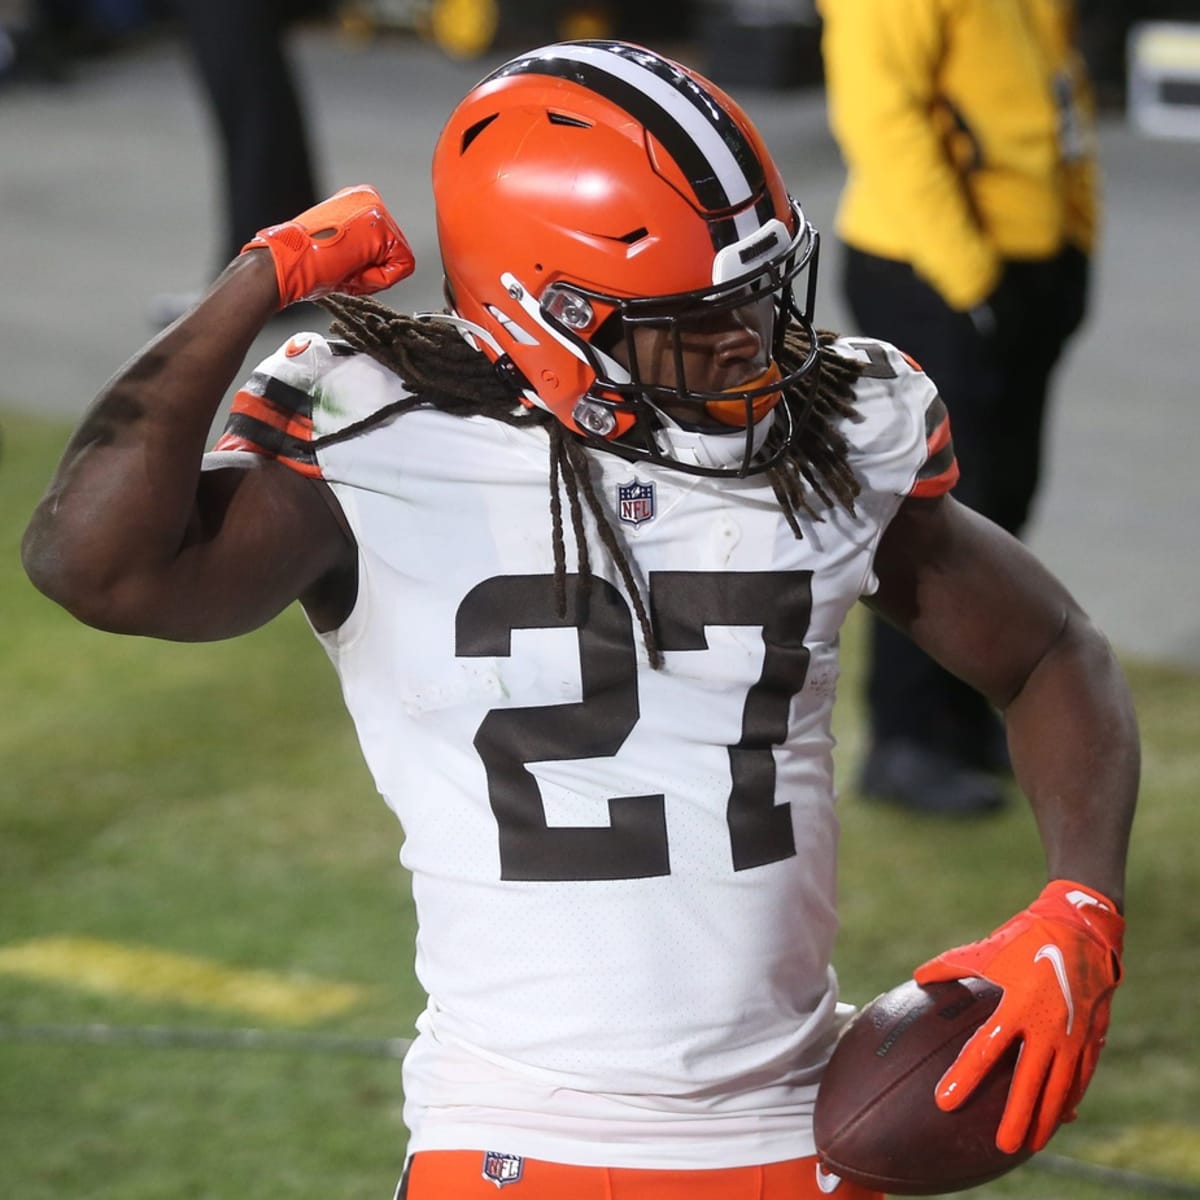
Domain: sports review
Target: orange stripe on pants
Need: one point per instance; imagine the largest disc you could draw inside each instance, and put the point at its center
(458, 1175)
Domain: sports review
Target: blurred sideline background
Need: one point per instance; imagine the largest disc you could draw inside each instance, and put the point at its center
(109, 191)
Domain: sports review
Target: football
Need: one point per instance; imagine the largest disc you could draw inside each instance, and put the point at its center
(876, 1122)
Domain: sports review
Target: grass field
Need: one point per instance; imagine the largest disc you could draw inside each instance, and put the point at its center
(188, 840)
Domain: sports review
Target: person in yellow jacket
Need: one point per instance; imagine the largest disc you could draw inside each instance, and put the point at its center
(968, 220)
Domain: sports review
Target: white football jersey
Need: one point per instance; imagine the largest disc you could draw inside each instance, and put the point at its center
(624, 875)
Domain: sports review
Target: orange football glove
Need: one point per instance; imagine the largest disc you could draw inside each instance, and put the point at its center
(348, 243)
(1059, 963)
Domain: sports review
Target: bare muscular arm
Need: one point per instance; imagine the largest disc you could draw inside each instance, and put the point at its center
(132, 537)
(982, 605)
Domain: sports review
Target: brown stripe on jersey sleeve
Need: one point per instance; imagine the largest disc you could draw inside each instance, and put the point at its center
(939, 472)
(273, 418)
(246, 432)
(282, 395)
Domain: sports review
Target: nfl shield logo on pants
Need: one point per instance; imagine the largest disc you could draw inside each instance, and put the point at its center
(502, 1168)
(635, 502)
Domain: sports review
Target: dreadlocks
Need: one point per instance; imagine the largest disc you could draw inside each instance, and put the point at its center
(442, 371)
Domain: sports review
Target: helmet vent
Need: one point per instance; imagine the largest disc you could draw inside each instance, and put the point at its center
(634, 235)
(559, 118)
(471, 134)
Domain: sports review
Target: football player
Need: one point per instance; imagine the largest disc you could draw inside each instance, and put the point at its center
(580, 548)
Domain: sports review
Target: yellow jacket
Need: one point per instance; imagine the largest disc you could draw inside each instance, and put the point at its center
(967, 131)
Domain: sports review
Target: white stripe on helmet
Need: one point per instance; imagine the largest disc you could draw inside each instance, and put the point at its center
(725, 166)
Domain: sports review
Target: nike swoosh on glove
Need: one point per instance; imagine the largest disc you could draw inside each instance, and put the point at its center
(1059, 963)
(348, 243)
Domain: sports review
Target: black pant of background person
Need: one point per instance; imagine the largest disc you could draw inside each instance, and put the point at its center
(935, 742)
(238, 48)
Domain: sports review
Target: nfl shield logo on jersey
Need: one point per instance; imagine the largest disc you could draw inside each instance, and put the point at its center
(502, 1168)
(635, 502)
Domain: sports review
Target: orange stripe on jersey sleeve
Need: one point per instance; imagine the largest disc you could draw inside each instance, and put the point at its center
(272, 418)
(289, 423)
(939, 472)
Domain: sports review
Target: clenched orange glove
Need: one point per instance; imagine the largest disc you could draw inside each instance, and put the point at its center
(1059, 963)
(348, 243)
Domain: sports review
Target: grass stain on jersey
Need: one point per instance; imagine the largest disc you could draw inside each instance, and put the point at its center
(114, 969)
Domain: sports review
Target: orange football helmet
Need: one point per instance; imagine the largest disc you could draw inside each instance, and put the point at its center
(587, 189)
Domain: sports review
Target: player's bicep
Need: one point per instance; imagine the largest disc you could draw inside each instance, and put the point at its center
(970, 595)
(261, 536)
